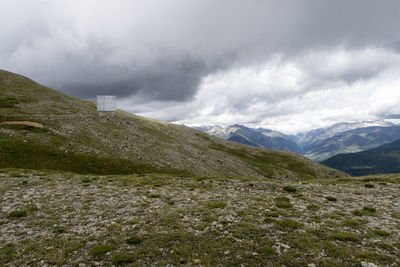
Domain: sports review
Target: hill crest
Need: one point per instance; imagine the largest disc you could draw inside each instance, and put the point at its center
(75, 138)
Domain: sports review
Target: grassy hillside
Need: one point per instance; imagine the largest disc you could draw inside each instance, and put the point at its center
(75, 138)
(383, 159)
(55, 219)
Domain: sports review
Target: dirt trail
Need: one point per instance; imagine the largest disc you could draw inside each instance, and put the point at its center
(30, 123)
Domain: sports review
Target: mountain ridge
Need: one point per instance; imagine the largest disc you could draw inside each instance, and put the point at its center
(318, 144)
(381, 159)
(75, 138)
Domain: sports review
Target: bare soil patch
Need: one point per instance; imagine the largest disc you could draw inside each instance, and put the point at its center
(29, 123)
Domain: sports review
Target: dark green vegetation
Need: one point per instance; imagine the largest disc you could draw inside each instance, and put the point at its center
(330, 198)
(383, 159)
(134, 240)
(161, 219)
(17, 214)
(290, 189)
(75, 138)
(100, 250)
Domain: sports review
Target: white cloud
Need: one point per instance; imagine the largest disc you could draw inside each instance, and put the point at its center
(287, 96)
(288, 65)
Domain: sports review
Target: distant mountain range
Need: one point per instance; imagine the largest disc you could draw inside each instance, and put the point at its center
(352, 141)
(319, 144)
(382, 159)
(314, 137)
(264, 138)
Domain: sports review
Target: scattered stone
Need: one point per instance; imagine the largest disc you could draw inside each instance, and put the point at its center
(368, 264)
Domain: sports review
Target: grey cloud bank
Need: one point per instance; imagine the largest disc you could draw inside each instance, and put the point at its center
(288, 65)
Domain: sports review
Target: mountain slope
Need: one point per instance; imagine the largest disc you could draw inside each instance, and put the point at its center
(75, 138)
(382, 159)
(353, 141)
(260, 137)
(309, 139)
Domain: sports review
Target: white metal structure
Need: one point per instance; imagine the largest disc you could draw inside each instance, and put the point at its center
(106, 103)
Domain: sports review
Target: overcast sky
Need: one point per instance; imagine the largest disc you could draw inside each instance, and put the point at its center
(289, 65)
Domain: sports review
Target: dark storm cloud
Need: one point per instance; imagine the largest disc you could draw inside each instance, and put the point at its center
(218, 33)
(163, 50)
(169, 80)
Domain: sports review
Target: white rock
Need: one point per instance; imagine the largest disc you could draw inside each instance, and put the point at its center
(283, 245)
(368, 264)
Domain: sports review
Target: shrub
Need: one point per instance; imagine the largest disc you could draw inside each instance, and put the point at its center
(100, 250)
(330, 198)
(122, 258)
(86, 180)
(17, 214)
(59, 230)
(369, 209)
(290, 189)
(284, 199)
(284, 205)
(134, 240)
(369, 185)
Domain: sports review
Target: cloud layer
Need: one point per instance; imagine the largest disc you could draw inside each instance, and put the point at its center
(288, 65)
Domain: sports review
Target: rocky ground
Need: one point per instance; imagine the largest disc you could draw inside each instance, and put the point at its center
(50, 218)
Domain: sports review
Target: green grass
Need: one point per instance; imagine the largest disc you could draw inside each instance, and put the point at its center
(268, 251)
(17, 214)
(380, 232)
(353, 223)
(33, 155)
(283, 203)
(8, 102)
(126, 227)
(345, 237)
(369, 209)
(288, 224)
(216, 204)
(122, 258)
(100, 250)
(313, 207)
